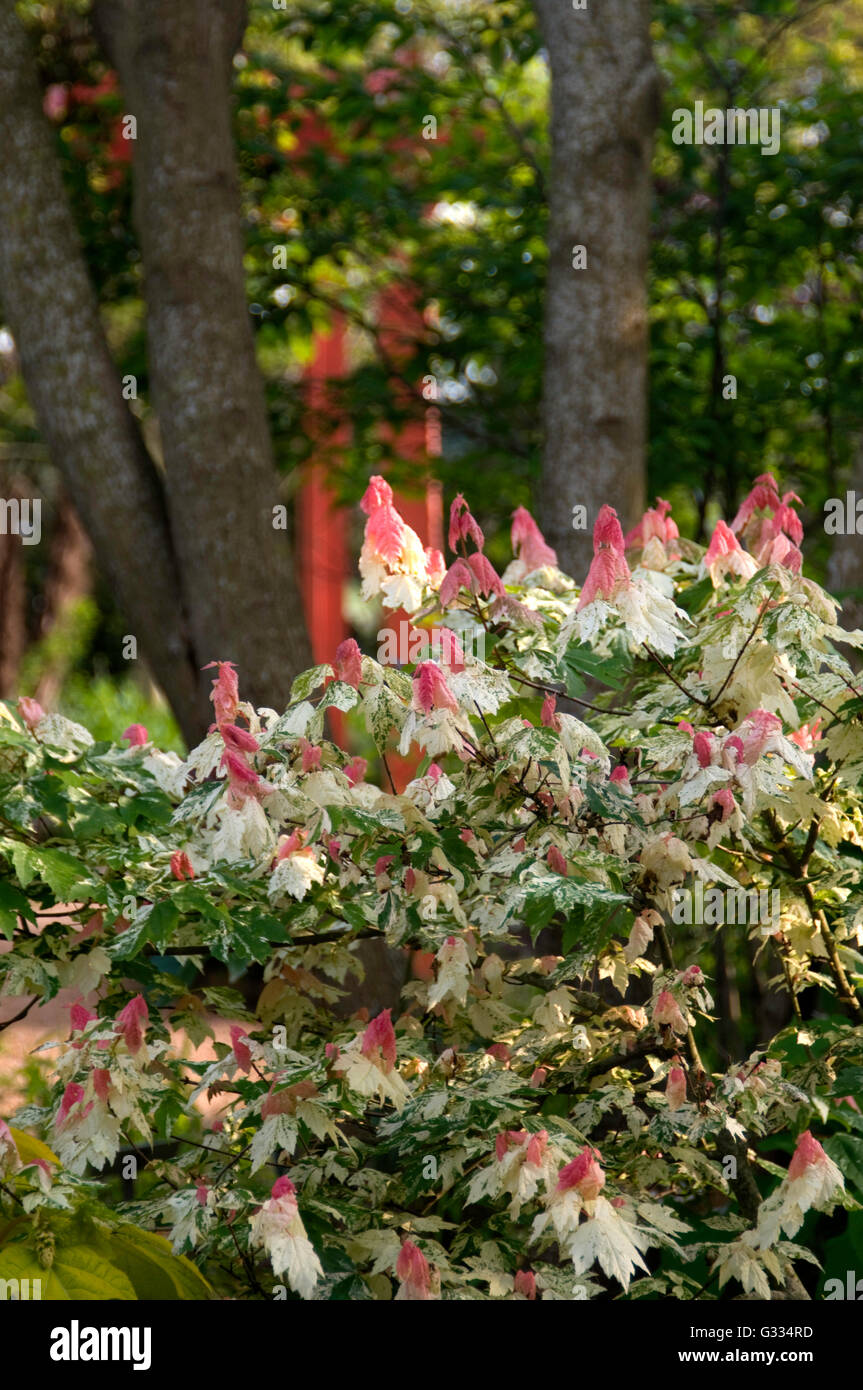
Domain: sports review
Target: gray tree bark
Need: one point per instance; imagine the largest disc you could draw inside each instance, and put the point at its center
(604, 102)
(197, 565)
(72, 383)
(174, 58)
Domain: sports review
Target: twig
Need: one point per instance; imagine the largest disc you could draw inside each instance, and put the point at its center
(671, 676)
(668, 961)
(762, 610)
(389, 774)
(516, 675)
(15, 1018)
(845, 992)
(218, 1178)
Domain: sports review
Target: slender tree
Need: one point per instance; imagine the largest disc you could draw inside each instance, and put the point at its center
(604, 100)
(189, 543)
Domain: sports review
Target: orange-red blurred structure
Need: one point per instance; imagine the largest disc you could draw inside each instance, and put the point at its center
(323, 534)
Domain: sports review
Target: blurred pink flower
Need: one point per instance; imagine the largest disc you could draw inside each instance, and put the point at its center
(583, 1174)
(458, 576)
(435, 565)
(241, 1049)
(430, 690)
(756, 733)
(764, 496)
(30, 711)
(508, 1139)
(379, 1041)
(666, 1010)
(349, 663)
(101, 1083)
(675, 1088)
(725, 799)
(609, 572)
(807, 735)
(486, 578)
(289, 844)
(807, 1153)
(181, 865)
(237, 739)
(356, 770)
(529, 543)
(80, 1016)
(703, 747)
(243, 779)
(72, 1096)
(620, 777)
(549, 716)
(413, 1273)
(725, 555)
(462, 525)
(55, 102)
(225, 693)
(385, 530)
(779, 550)
(132, 1021)
(556, 861)
(655, 523)
(311, 755)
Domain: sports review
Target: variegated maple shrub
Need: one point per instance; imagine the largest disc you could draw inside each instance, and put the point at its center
(546, 1112)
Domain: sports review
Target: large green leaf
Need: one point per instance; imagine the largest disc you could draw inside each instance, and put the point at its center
(339, 695)
(384, 712)
(29, 1149)
(581, 660)
(152, 1268)
(13, 904)
(846, 1150)
(585, 906)
(77, 1273)
(62, 872)
(309, 681)
(154, 924)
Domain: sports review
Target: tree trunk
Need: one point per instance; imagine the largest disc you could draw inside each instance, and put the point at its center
(175, 62)
(72, 383)
(604, 99)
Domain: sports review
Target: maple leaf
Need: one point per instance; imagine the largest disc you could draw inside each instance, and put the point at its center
(607, 1238)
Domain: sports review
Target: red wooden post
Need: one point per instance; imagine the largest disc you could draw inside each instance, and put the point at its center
(322, 540)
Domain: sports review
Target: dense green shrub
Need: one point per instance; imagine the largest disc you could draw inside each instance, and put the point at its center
(553, 1121)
